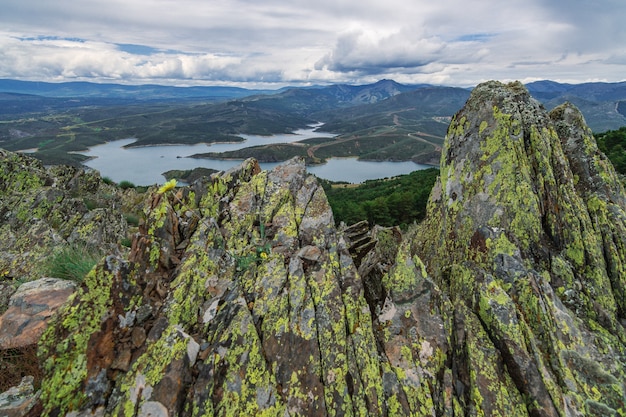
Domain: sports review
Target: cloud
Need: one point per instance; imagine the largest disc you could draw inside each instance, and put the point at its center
(62, 59)
(299, 42)
(368, 51)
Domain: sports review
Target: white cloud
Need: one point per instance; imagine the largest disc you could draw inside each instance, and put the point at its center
(369, 51)
(285, 43)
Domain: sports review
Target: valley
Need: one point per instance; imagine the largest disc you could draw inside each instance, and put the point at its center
(384, 121)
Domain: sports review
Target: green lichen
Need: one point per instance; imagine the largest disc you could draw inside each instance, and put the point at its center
(64, 364)
(244, 357)
(406, 273)
(482, 127)
(511, 186)
(492, 392)
(189, 289)
(150, 368)
(458, 127)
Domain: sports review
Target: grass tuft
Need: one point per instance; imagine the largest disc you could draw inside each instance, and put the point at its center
(131, 219)
(72, 262)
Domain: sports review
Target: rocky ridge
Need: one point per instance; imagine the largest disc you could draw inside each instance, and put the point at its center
(47, 214)
(241, 297)
(43, 208)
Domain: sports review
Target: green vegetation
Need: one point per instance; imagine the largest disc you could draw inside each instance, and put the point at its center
(125, 185)
(71, 262)
(131, 219)
(409, 126)
(57, 135)
(613, 144)
(91, 203)
(380, 144)
(389, 144)
(264, 153)
(398, 201)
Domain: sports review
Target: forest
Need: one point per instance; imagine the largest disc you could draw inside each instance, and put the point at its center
(397, 201)
(613, 144)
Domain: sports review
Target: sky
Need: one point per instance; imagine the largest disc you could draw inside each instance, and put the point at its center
(277, 43)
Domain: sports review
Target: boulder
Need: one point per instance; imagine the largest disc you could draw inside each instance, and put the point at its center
(30, 309)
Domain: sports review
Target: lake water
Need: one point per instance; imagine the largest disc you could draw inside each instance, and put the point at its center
(145, 165)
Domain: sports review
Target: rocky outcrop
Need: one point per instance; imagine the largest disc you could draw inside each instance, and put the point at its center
(21, 326)
(240, 297)
(524, 236)
(45, 208)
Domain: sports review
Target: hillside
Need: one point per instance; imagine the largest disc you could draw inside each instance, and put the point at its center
(58, 135)
(402, 127)
(384, 121)
(602, 104)
(241, 297)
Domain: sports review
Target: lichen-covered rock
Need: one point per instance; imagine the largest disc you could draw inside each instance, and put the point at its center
(524, 235)
(6, 291)
(20, 400)
(43, 208)
(240, 297)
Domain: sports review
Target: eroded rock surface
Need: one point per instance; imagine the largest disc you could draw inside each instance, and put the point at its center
(240, 297)
(524, 236)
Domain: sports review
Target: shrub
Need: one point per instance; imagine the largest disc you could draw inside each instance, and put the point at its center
(90, 203)
(72, 262)
(124, 185)
(107, 180)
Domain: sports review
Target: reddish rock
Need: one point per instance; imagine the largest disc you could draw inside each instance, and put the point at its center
(29, 310)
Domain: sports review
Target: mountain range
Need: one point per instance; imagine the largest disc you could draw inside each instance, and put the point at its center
(602, 104)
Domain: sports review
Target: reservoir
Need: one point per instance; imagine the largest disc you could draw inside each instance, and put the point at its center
(145, 165)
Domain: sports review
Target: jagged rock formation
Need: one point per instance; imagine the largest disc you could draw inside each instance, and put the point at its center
(43, 212)
(525, 238)
(44, 208)
(240, 297)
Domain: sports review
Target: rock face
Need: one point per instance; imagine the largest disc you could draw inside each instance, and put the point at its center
(525, 237)
(240, 297)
